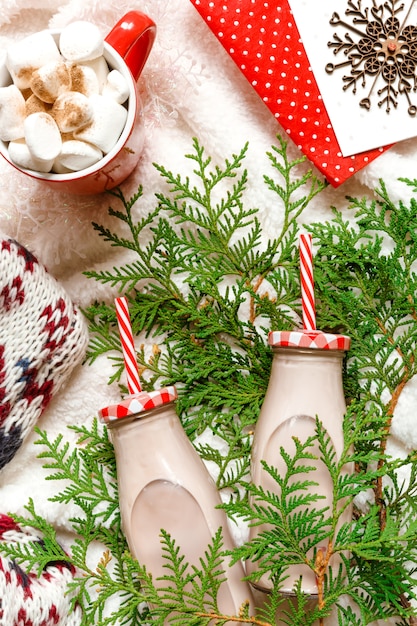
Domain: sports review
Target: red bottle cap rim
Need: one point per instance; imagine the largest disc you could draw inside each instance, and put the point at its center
(308, 339)
(138, 403)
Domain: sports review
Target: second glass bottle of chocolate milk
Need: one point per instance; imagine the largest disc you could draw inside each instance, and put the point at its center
(164, 484)
(305, 383)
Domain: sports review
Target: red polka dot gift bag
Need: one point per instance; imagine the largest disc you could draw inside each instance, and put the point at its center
(263, 40)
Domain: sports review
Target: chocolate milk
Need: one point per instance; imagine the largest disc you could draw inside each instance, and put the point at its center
(305, 382)
(164, 484)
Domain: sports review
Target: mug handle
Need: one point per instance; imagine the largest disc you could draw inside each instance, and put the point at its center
(132, 37)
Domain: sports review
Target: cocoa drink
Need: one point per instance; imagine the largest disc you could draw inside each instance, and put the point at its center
(305, 383)
(164, 484)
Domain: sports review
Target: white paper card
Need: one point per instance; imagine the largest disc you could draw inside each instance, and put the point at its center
(383, 49)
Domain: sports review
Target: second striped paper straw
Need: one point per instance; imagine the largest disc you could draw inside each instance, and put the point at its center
(128, 346)
(307, 282)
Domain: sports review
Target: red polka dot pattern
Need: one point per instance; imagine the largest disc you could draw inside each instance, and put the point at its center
(263, 40)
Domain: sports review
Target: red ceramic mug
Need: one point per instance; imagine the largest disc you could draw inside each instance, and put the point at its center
(126, 48)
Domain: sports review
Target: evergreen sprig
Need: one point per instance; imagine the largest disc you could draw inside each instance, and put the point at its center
(92, 486)
(42, 551)
(366, 283)
(117, 590)
(205, 284)
(298, 526)
(196, 283)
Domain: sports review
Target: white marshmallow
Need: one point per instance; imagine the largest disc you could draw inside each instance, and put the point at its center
(12, 113)
(29, 54)
(77, 155)
(116, 87)
(34, 105)
(84, 79)
(20, 155)
(50, 81)
(4, 72)
(106, 125)
(57, 168)
(71, 111)
(81, 41)
(101, 70)
(42, 136)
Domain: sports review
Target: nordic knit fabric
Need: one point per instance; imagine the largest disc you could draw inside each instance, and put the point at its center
(28, 599)
(42, 337)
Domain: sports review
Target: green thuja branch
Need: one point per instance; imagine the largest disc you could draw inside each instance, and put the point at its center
(205, 283)
(86, 470)
(237, 285)
(201, 280)
(184, 595)
(42, 551)
(189, 595)
(299, 529)
(367, 283)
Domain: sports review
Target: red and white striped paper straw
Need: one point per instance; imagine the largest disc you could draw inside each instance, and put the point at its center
(307, 282)
(128, 346)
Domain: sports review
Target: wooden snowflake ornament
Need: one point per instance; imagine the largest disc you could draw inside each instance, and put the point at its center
(380, 50)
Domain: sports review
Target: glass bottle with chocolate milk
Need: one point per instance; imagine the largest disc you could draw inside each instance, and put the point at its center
(305, 383)
(164, 484)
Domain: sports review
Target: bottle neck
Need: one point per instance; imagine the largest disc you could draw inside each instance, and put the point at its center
(305, 382)
(308, 355)
(305, 368)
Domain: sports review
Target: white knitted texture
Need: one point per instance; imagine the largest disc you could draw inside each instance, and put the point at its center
(26, 598)
(42, 337)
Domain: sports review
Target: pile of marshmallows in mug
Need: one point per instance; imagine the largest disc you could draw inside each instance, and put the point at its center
(64, 109)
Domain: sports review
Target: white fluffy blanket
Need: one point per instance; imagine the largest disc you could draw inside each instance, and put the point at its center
(190, 87)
